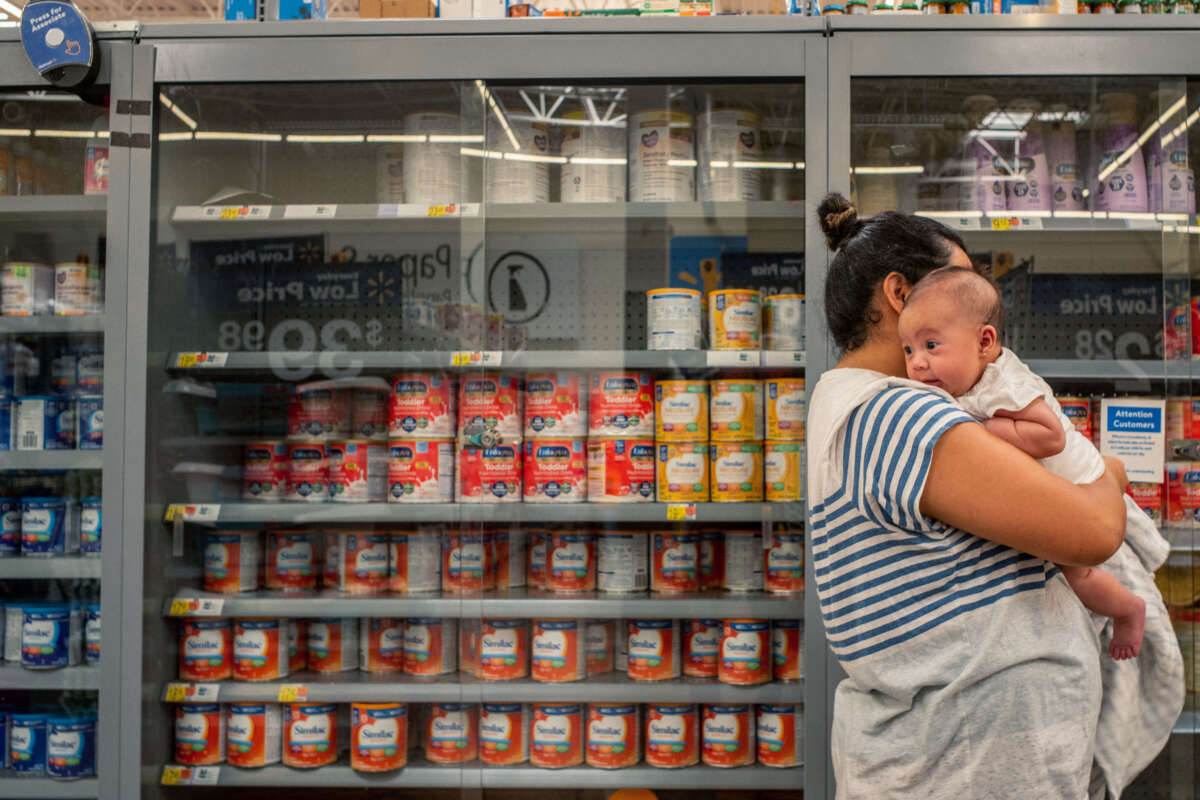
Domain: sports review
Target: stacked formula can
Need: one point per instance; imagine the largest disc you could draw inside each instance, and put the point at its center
(738, 319)
(556, 429)
(621, 430)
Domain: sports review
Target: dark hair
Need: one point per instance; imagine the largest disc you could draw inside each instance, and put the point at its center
(973, 292)
(866, 251)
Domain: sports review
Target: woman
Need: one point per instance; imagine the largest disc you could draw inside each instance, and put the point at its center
(972, 669)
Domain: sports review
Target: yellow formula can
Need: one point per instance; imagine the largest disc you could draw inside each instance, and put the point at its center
(736, 472)
(682, 472)
(787, 409)
(681, 411)
(781, 471)
(735, 410)
(734, 319)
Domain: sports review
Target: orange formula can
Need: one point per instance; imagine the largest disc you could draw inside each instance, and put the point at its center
(297, 645)
(536, 567)
(333, 644)
(701, 646)
(206, 650)
(260, 649)
(416, 562)
(430, 646)
(653, 650)
(558, 650)
(735, 410)
(675, 562)
(681, 411)
(614, 736)
(571, 562)
(331, 560)
(363, 564)
(556, 404)
(199, 734)
(310, 735)
(1079, 411)
(488, 475)
(737, 472)
(727, 736)
(308, 478)
(423, 406)
(451, 733)
(745, 652)
(502, 652)
(291, 560)
(381, 647)
(621, 471)
(232, 560)
(1148, 497)
(1183, 491)
(683, 473)
(378, 736)
(782, 470)
(253, 734)
(780, 735)
(358, 471)
(783, 563)
(734, 319)
(786, 409)
(672, 735)
(504, 734)
(465, 566)
(556, 735)
(555, 471)
(265, 469)
(421, 471)
(712, 560)
(599, 646)
(508, 558)
(621, 404)
(787, 650)
(490, 403)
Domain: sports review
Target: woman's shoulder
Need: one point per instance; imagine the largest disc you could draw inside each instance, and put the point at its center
(842, 392)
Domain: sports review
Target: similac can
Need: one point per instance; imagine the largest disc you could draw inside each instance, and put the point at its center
(51, 635)
(430, 646)
(297, 645)
(622, 562)
(621, 470)
(502, 651)
(49, 527)
(1149, 499)
(681, 411)
(712, 560)
(672, 735)
(265, 468)
(737, 472)
(71, 746)
(558, 650)
(27, 743)
(783, 567)
(363, 562)
(310, 735)
(783, 322)
(260, 649)
(358, 471)
(654, 649)
(673, 319)
(206, 650)
(599, 647)
(537, 559)
(683, 473)
(253, 734)
(465, 566)
(781, 471)
(504, 734)
(10, 520)
(415, 563)
(745, 652)
(421, 471)
(43, 422)
(701, 646)
(734, 319)
(291, 560)
(786, 408)
(369, 413)
(556, 405)
(614, 736)
(89, 419)
(735, 410)
(488, 474)
(91, 634)
(787, 650)
(331, 561)
(675, 562)
(1079, 411)
(780, 735)
(333, 644)
(556, 734)
(381, 647)
(232, 561)
(571, 562)
(621, 404)
(308, 476)
(727, 736)
(555, 471)
(378, 736)
(318, 413)
(661, 157)
(451, 733)
(490, 403)
(424, 406)
(507, 558)
(199, 734)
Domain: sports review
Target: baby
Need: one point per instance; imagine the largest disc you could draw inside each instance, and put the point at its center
(951, 328)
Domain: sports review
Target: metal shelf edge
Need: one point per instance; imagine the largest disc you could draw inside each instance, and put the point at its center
(49, 788)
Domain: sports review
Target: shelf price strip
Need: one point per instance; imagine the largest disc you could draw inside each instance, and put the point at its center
(192, 692)
(476, 358)
(205, 607)
(681, 511)
(202, 359)
(191, 776)
(192, 513)
(292, 692)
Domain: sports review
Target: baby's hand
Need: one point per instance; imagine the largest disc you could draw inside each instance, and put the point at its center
(1035, 429)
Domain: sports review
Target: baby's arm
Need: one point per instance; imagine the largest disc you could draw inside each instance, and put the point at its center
(1034, 429)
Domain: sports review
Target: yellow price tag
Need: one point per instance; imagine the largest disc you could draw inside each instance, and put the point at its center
(176, 692)
(187, 360)
(677, 511)
(171, 776)
(291, 692)
(230, 212)
(180, 608)
(437, 211)
(1001, 223)
(172, 513)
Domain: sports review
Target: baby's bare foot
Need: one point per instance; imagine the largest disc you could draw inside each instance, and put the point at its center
(1127, 632)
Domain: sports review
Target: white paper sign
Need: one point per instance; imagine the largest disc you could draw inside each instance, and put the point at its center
(1133, 431)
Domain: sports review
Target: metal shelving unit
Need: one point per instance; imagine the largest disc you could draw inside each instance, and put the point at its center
(51, 459)
(66, 207)
(18, 787)
(13, 676)
(1107, 371)
(51, 324)
(49, 568)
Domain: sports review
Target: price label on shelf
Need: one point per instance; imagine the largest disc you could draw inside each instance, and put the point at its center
(176, 692)
(202, 607)
(309, 212)
(180, 608)
(188, 513)
(174, 776)
(733, 358)
(443, 211)
(681, 511)
(783, 358)
(196, 360)
(1016, 223)
(236, 212)
(191, 776)
(291, 692)
(1001, 223)
(476, 358)
(206, 776)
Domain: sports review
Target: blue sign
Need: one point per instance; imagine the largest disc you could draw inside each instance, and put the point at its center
(56, 36)
(1126, 419)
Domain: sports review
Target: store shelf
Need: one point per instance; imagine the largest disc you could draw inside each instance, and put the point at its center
(52, 324)
(1086, 222)
(13, 676)
(1188, 724)
(49, 568)
(53, 208)
(51, 459)
(42, 787)
(516, 603)
(1108, 370)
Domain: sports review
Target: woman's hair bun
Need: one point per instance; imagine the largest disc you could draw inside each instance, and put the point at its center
(839, 220)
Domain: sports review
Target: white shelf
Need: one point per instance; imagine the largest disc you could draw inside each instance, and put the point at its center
(1088, 222)
(52, 324)
(14, 676)
(66, 567)
(42, 787)
(1108, 370)
(51, 459)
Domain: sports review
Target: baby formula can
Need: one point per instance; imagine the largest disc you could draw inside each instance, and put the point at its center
(599, 647)
(369, 413)
(308, 476)
(514, 179)
(14, 618)
(508, 558)
(10, 525)
(89, 417)
(381, 648)
(232, 561)
(332, 560)
(488, 474)
(265, 468)
(621, 404)
(571, 562)
(673, 319)
(622, 562)
(727, 736)
(415, 562)
(433, 169)
(744, 562)
(745, 652)
(91, 523)
(51, 635)
(621, 470)
(1183, 491)
(728, 141)
(654, 649)
(783, 322)
(672, 735)
(27, 743)
(206, 650)
(297, 633)
(421, 471)
(504, 734)
(291, 560)
(559, 650)
(788, 649)
(378, 736)
(557, 735)
(556, 405)
(733, 319)
(594, 171)
(319, 413)
(1149, 498)
(465, 565)
(681, 411)
(260, 649)
(333, 644)
(253, 734)
(357, 471)
(614, 736)
(91, 634)
(363, 562)
(1079, 411)
(736, 472)
(199, 734)
(537, 559)
(26, 289)
(780, 735)
(675, 562)
(555, 471)
(424, 406)
(782, 471)
(49, 527)
(787, 409)
(701, 646)
(310, 735)
(784, 564)
(490, 403)
(502, 652)
(712, 560)
(43, 423)
(662, 168)
(451, 733)
(70, 747)
(736, 410)
(683, 473)
(430, 646)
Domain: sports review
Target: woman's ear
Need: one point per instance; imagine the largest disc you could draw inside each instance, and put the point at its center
(988, 339)
(896, 289)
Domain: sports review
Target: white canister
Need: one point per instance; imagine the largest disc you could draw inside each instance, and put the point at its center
(389, 174)
(523, 174)
(1030, 188)
(743, 562)
(728, 143)
(26, 289)
(783, 322)
(594, 171)
(433, 168)
(622, 562)
(78, 289)
(662, 164)
(673, 319)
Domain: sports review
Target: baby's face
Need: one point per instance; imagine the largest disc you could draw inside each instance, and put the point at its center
(941, 347)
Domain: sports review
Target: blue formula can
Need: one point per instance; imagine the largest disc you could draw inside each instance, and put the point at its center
(91, 634)
(45, 422)
(71, 747)
(90, 524)
(49, 527)
(5, 754)
(10, 526)
(6, 423)
(90, 417)
(27, 743)
(49, 636)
